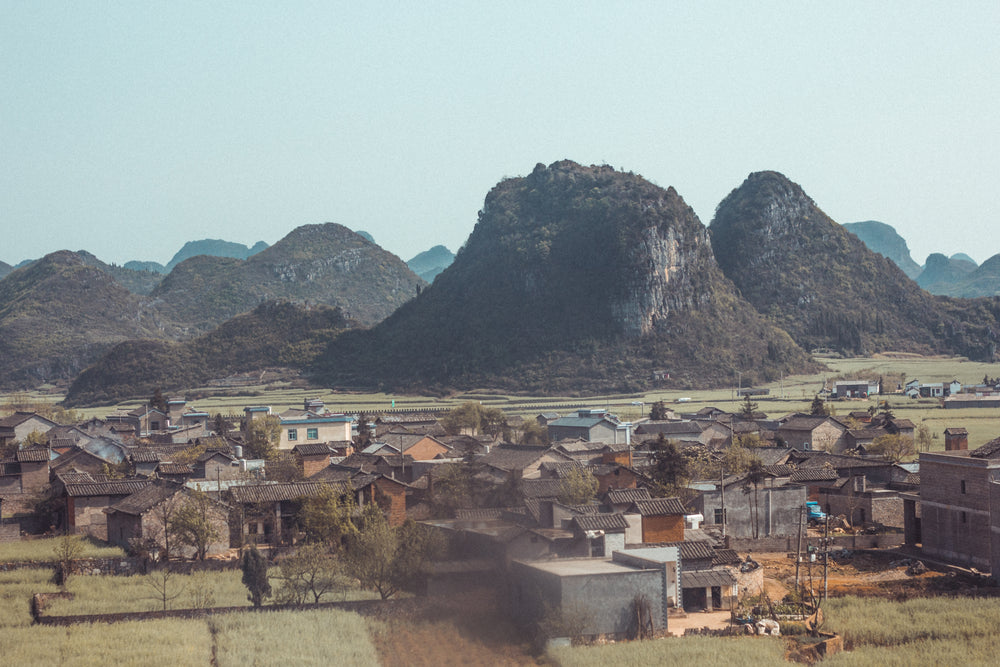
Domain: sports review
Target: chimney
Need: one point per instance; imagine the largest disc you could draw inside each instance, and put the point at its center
(956, 439)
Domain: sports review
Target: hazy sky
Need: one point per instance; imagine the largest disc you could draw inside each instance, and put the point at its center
(129, 128)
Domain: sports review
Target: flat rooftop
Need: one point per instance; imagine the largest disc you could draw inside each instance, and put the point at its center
(568, 567)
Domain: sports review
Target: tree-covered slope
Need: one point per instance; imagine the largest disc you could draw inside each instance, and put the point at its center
(327, 264)
(59, 314)
(575, 279)
(826, 288)
(273, 334)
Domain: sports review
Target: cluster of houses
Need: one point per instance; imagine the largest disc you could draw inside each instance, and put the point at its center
(953, 395)
(120, 477)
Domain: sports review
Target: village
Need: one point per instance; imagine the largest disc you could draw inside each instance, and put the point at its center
(578, 522)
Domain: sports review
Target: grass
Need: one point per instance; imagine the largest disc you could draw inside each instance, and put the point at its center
(925, 631)
(732, 652)
(106, 595)
(43, 550)
(311, 637)
(314, 637)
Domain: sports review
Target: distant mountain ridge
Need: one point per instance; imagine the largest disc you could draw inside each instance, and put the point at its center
(575, 279)
(429, 263)
(884, 239)
(326, 263)
(209, 247)
(59, 314)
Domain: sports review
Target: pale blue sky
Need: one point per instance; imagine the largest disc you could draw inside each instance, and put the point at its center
(129, 128)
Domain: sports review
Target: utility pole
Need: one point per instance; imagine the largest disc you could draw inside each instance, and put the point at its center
(798, 550)
(826, 555)
(722, 488)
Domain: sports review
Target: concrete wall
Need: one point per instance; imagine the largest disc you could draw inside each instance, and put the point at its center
(779, 510)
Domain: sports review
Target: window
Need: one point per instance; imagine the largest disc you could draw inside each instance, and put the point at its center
(293, 434)
(312, 434)
(965, 517)
(720, 516)
(963, 486)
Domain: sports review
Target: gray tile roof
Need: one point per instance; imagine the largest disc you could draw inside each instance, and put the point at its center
(659, 507)
(620, 496)
(705, 578)
(145, 499)
(120, 487)
(32, 455)
(272, 493)
(601, 521)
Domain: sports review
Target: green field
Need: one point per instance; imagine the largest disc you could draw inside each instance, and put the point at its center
(311, 637)
(791, 394)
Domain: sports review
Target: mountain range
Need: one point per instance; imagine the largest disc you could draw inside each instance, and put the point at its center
(574, 280)
(61, 313)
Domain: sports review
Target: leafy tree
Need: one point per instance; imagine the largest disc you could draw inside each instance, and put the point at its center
(893, 447)
(453, 488)
(739, 459)
(192, 524)
(261, 437)
(312, 571)
(749, 409)
(668, 465)
(533, 433)
(493, 422)
(659, 411)
(577, 487)
(923, 438)
(158, 402)
(327, 518)
(220, 426)
(364, 437)
(818, 407)
(254, 568)
(387, 559)
(67, 550)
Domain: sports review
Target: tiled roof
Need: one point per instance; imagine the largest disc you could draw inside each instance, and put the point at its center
(512, 457)
(802, 423)
(32, 455)
(167, 468)
(120, 487)
(726, 557)
(272, 493)
(783, 470)
(814, 475)
(659, 507)
(541, 488)
(144, 455)
(145, 499)
(988, 451)
(706, 578)
(601, 521)
(313, 449)
(619, 496)
(693, 550)
(481, 514)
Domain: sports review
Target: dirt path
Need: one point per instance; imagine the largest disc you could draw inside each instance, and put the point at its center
(466, 629)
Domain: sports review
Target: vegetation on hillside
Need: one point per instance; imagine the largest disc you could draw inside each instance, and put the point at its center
(274, 334)
(578, 279)
(823, 286)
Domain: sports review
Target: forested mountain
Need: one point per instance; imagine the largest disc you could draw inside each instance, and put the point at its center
(883, 239)
(58, 314)
(5, 268)
(575, 279)
(273, 335)
(325, 263)
(826, 288)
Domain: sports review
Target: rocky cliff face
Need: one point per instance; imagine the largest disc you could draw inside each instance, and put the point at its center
(825, 287)
(574, 277)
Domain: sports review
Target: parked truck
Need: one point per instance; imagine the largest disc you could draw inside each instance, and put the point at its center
(814, 514)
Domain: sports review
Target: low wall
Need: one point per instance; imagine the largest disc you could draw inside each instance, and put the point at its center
(10, 532)
(790, 543)
(125, 566)
(38, 604)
